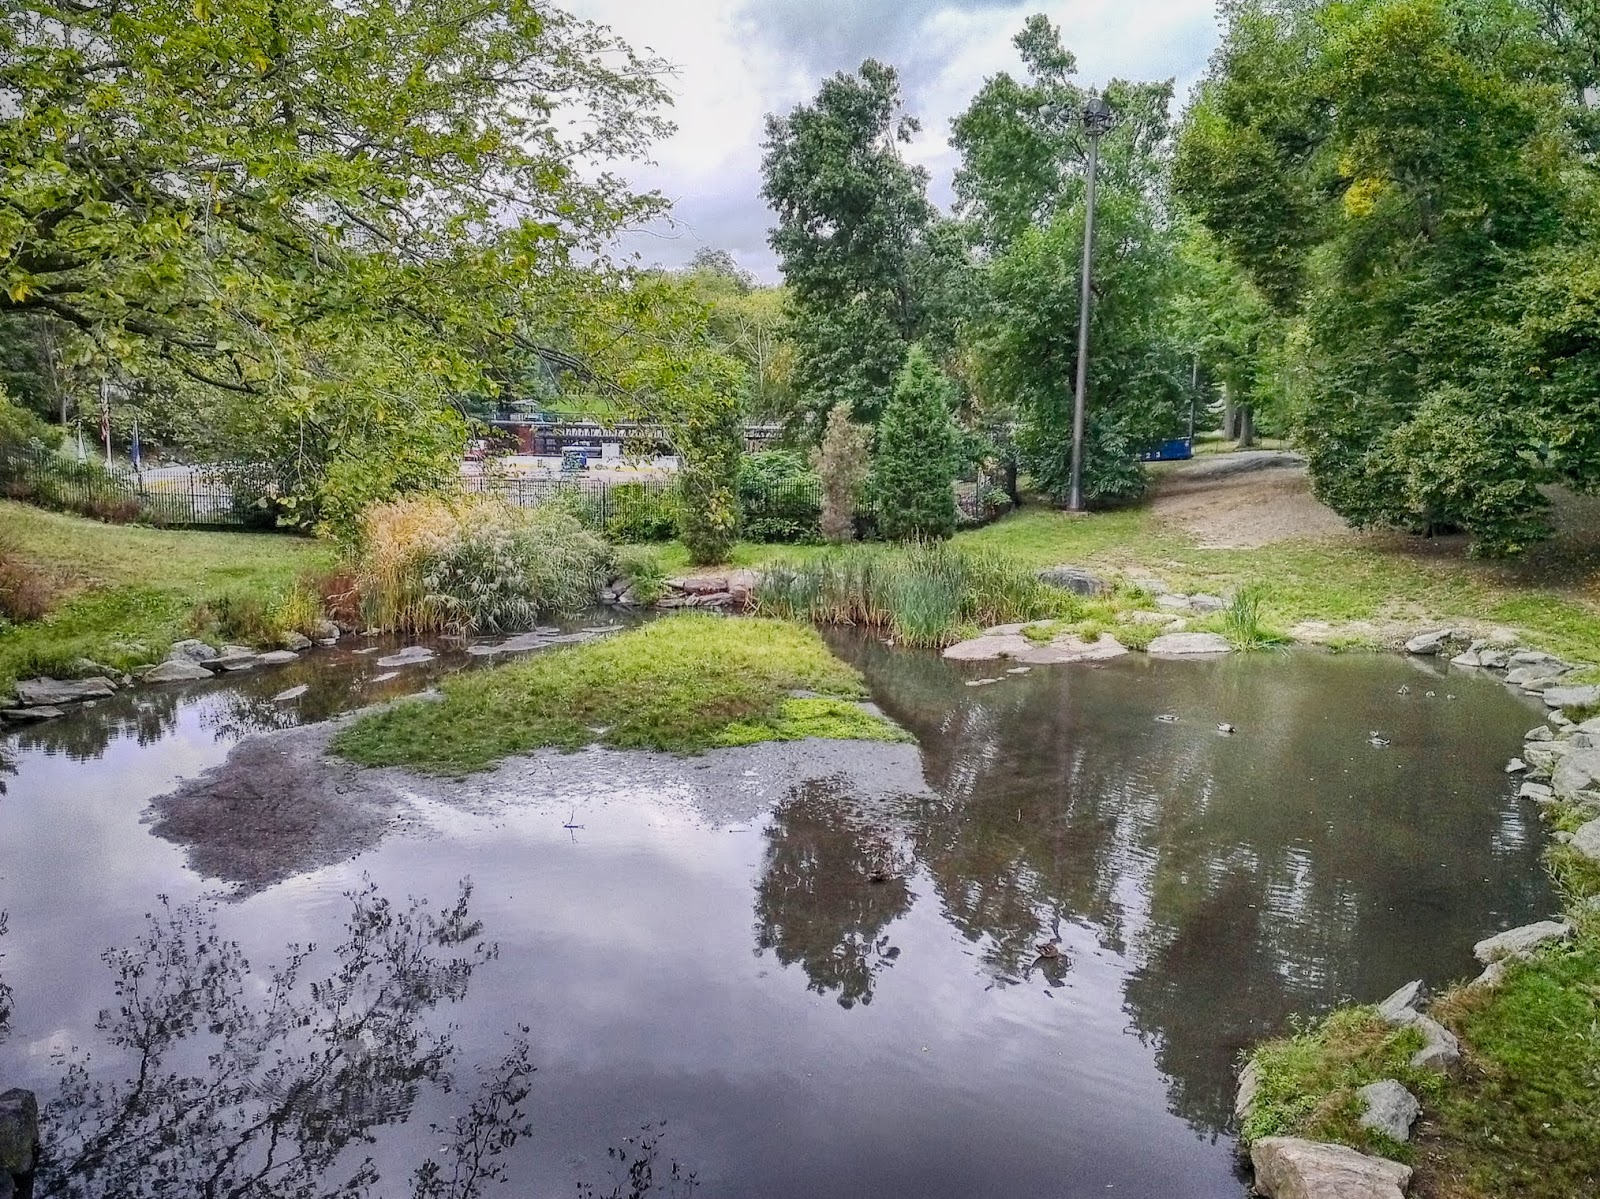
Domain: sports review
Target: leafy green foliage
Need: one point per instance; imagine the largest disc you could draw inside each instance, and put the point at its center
(1022, 184)
(320, 222)
(842, 462)
(914, 463)
(640, 515)
(851, 220)
(683, 683)
(779, 498)
(22, 429)
(1242, 624)
(1399, 180)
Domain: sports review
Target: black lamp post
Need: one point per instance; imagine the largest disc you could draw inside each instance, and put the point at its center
(1096, 120)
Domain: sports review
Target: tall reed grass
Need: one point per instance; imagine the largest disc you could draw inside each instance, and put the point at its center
(474, 564)
(1241, 621)
(924, 594)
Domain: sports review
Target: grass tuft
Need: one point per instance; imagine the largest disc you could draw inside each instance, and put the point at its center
(684, 683)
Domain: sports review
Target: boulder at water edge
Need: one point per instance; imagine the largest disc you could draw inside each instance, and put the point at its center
(1403, 1006)
(1572, 697)
(1587, 841)
(1290, 1168)
(176, 671)
(1517, 941)
(191, 650)
(1389, 1109)
(1578, 772)
(52, 693)
(1428, 644)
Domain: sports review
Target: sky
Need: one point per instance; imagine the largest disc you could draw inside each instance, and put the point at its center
(737, 60)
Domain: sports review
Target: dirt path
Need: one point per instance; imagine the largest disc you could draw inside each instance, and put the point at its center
(1243, 500)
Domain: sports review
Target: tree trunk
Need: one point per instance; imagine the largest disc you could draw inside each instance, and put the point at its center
(1247, 427)
(1229, 413)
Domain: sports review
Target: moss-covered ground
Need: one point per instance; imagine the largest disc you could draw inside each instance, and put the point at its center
(683, 683)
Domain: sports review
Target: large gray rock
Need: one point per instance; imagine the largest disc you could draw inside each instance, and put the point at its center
(1534, 657)
(1389, 1109)
(1291, 1168)
(1075, 579)
(1587, 841)
(1173, 603)
(1545, 756)
(1183, 645)
(278, 657)
(1517, 941)
(1534, 678)
(1572, 697)
(1007, 641)
(232, 657)
(191, 650)
(1205, 605)
(52, 693)
(176, 671)
(295, 641)
(1440, 1051)
(1578, 772)
(1403, 1006)
(19, 1132)
(409, 656)
(1249, 1086)
(1428, 644)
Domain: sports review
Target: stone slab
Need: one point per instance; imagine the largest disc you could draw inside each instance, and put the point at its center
(1389, 1109)
(1184, 645)
(1291, 1168)
(177, 670)
(52, 693)
(1516, 941)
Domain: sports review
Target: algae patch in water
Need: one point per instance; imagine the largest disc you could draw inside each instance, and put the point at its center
(685, 683)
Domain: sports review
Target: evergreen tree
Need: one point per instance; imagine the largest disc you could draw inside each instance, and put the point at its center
(914, 468)
(842, 463)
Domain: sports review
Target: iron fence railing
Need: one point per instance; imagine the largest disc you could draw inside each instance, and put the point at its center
(179, 496)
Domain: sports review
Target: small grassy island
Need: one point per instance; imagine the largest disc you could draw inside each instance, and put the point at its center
(684, 683)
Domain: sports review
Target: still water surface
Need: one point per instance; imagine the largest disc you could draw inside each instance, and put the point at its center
(737, 996)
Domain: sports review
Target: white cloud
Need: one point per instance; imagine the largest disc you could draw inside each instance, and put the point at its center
(738, 60)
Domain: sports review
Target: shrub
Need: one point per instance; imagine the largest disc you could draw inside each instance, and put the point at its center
(234, 617)
(708, 516)
(841, 464)
(21, 429)
(641, 514)
(780, 498)
(474, 564)
(24, 593)
(339, 591)
(642, 570)
(914, 468)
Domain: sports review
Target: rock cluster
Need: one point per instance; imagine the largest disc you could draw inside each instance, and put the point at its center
(735, 590)
(1289, 1168)
(1531, 670)
(1561, 764)
(1009, 641)
(188, 661)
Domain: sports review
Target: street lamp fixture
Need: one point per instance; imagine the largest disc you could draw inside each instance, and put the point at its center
(1097, 118)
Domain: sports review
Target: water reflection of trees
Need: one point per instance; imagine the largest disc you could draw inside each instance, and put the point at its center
(259, 1087)
(832, 882)
(1238, 891)
(84, 733)
(5, 991)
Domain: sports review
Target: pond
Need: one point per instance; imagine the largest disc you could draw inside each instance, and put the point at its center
(658, 990)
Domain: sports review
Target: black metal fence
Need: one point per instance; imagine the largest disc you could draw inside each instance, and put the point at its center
(174, 496)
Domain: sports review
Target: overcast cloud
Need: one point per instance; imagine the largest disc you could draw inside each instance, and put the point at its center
(738, 60)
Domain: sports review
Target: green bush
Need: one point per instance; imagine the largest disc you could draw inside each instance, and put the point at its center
(641, 568)
(708, 516)
(510, 566)
(641, 514)
(780, 498)
(914, 466)
(841, 463)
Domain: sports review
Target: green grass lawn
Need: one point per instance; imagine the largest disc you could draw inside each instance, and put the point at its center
(683, 683)
(119, 585)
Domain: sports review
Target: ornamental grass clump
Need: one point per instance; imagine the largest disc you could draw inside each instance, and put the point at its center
(474, 564)
(1241, 621)
(922, 594)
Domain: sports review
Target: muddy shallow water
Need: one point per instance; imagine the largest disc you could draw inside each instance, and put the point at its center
(786, 979)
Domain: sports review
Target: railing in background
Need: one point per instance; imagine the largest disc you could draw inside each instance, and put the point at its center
(176, 497)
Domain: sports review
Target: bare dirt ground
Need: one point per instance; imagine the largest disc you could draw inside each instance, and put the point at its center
(1243, 500)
